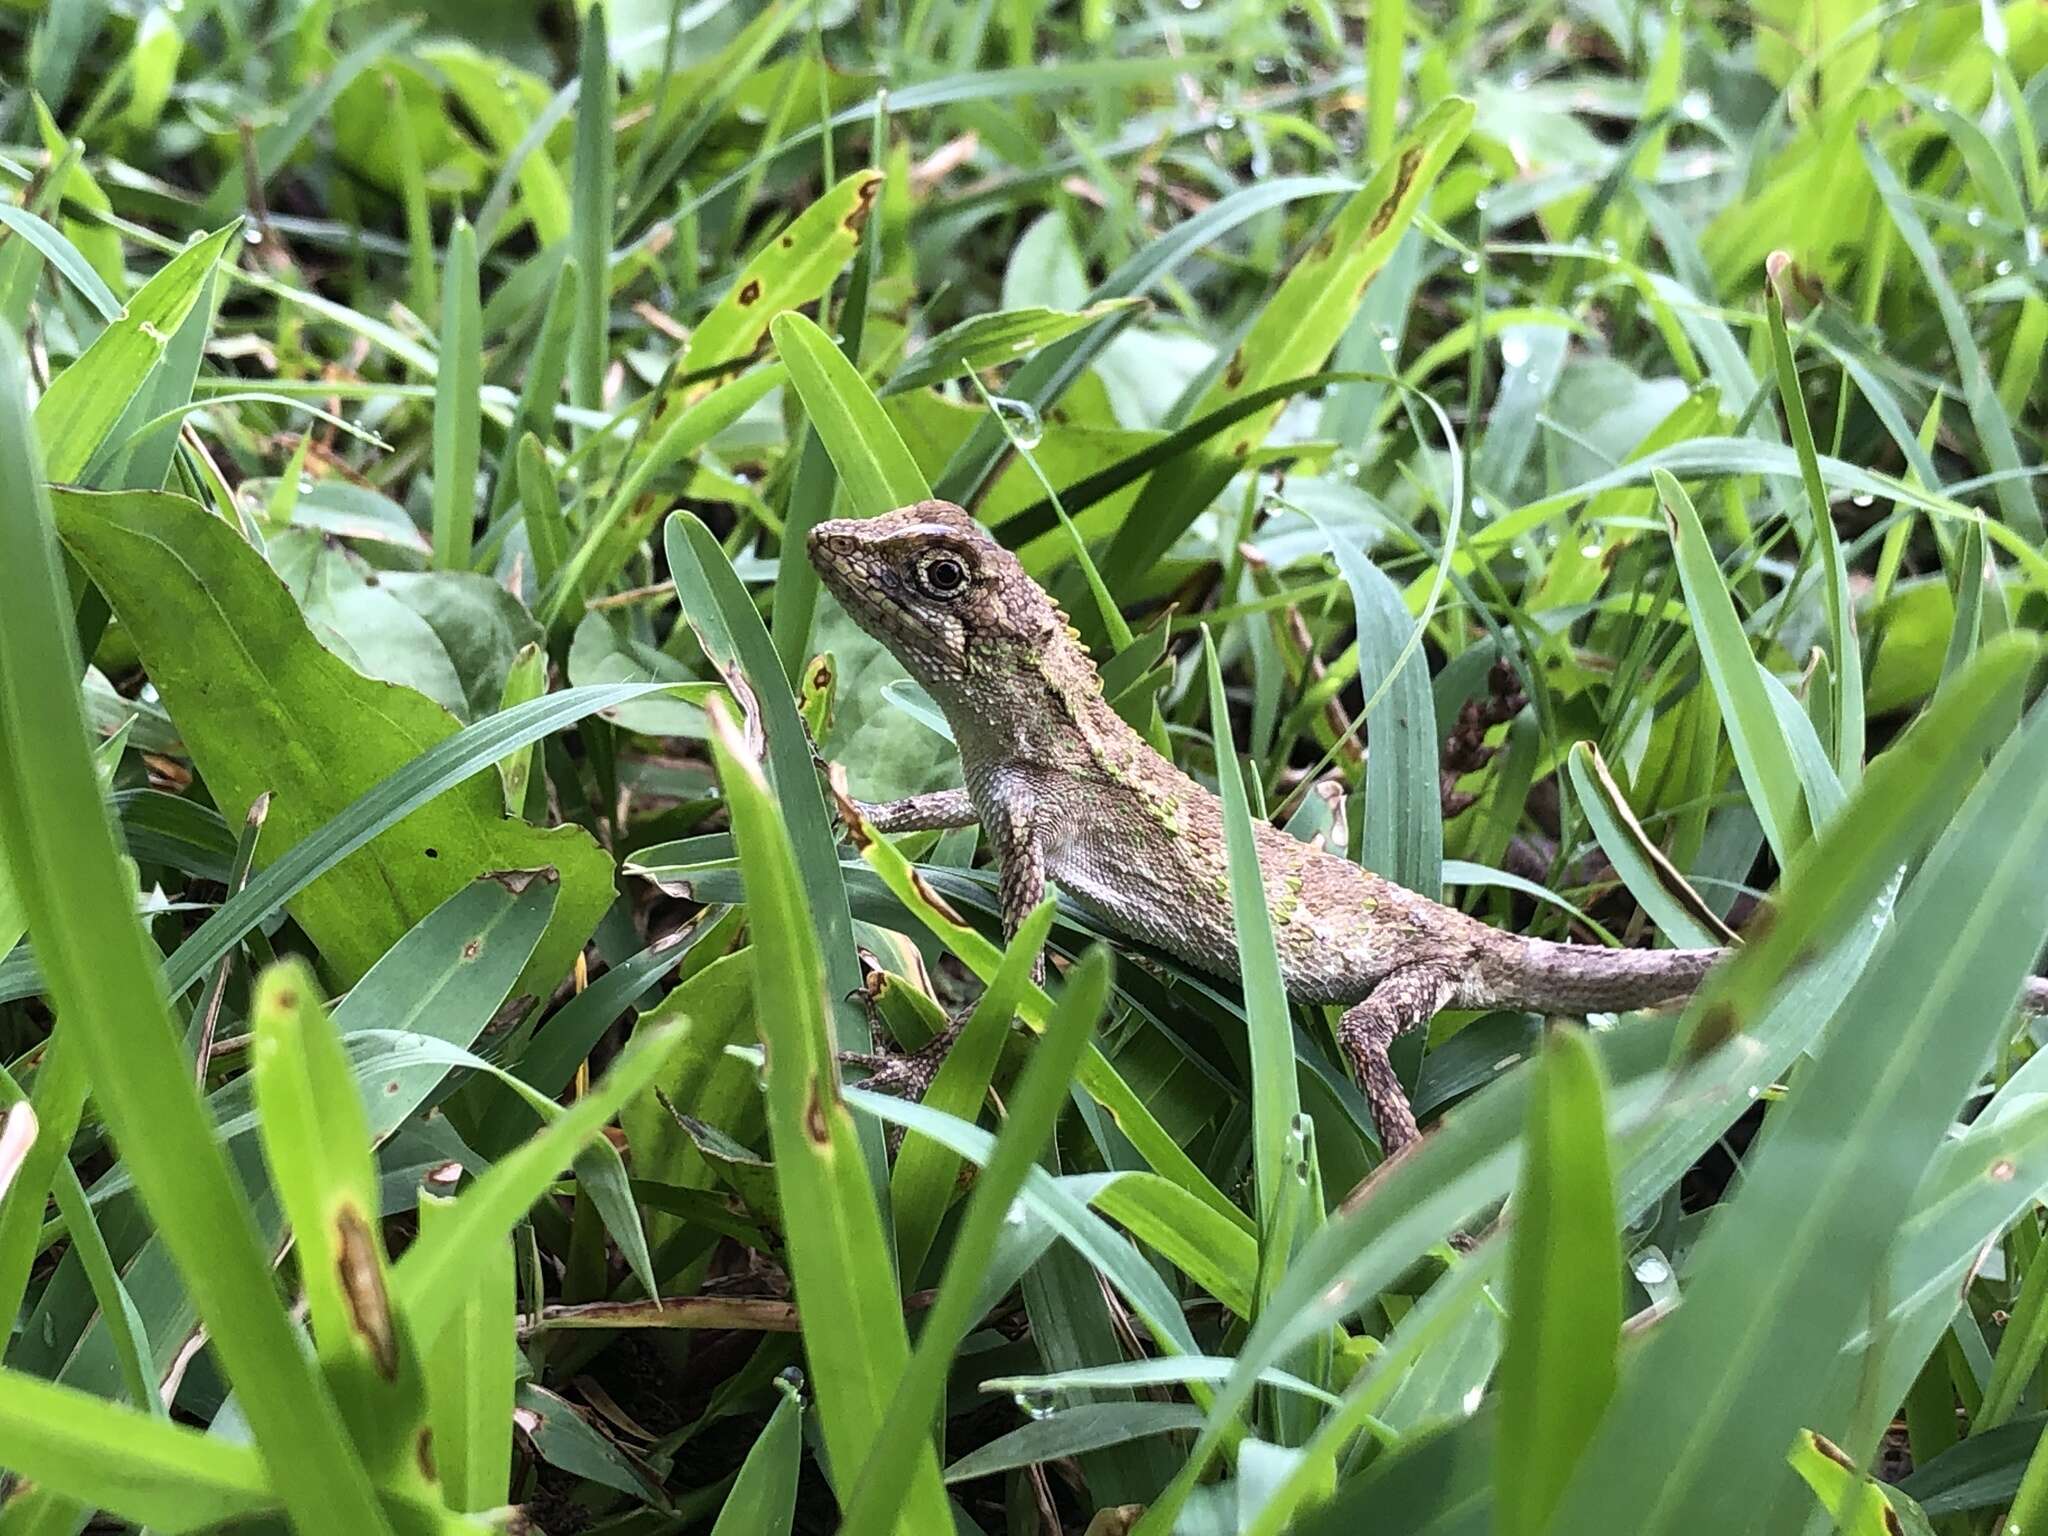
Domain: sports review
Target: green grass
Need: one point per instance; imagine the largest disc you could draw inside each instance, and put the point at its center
(424, 936)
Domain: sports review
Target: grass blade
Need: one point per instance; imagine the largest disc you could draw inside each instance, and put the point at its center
(1564, 1289)
(103, 977)
(838, 1254)
(902, 1448)
(458, 420)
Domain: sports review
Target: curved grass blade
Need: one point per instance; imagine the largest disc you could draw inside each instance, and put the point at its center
(838, 1254)
(1276, 1091)
(1780, 1277)
(103, 977)
(904, 1438)
(1753, 730)
(1558, 1368)
(77, 415)
(877, 470)
(458, 424)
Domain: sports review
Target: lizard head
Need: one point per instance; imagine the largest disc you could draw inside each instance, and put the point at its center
(930, 583)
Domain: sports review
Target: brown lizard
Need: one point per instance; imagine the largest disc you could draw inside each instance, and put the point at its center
(1067, 792)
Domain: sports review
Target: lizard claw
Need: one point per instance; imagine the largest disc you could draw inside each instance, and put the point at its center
(908, 1074)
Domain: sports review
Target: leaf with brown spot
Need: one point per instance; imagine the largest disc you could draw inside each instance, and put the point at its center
(360, 1269)
(797, 268)
(1293, 333)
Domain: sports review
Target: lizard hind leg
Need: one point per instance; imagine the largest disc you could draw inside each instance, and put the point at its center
(1368, 1030)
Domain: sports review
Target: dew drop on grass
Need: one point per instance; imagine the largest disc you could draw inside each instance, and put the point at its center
(1974, 218)
(1225, 121)
(1695, 105)
(1514, 351)
(1652, 1269)
(1469, 266)
(1021, 419)
(1038, 1403)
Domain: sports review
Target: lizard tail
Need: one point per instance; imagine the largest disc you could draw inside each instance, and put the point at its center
(1584, 978)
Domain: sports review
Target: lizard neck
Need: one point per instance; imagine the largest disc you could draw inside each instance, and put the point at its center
(1036, 706)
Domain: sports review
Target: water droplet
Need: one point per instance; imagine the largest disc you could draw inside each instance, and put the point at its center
(1226, 121)
(1695, 105)
(1389, 342)
(1518, 551)
(1590, 551)
(1609, 251)
(1521, 80)
(1470, 1402)
(1017, 1214)
(1038, 1403)
(1482, 202)
(1469, 266)
(1652, 1268)
(1862, 499)
(1265, 64)
(2003, 269)
(1974, 218)
(1514, 351)
(305, 485)
(1020, 420)
(1941, 104)
(251, 235)
(1191, 5)
(1351, 469)
(1479, 509)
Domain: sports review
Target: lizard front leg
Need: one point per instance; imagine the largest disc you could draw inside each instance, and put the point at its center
(1020, 887)
(1398, 1004)
(937, 811)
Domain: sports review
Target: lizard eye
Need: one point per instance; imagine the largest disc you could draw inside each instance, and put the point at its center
(942, 576)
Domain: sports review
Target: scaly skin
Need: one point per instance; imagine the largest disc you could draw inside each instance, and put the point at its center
(1066, 791)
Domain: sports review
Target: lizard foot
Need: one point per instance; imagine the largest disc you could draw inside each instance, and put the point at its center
(909, 1074)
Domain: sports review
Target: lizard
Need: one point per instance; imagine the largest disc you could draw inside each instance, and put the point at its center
(1067, 792)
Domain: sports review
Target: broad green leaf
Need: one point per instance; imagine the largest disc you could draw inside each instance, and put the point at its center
(263, 707)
